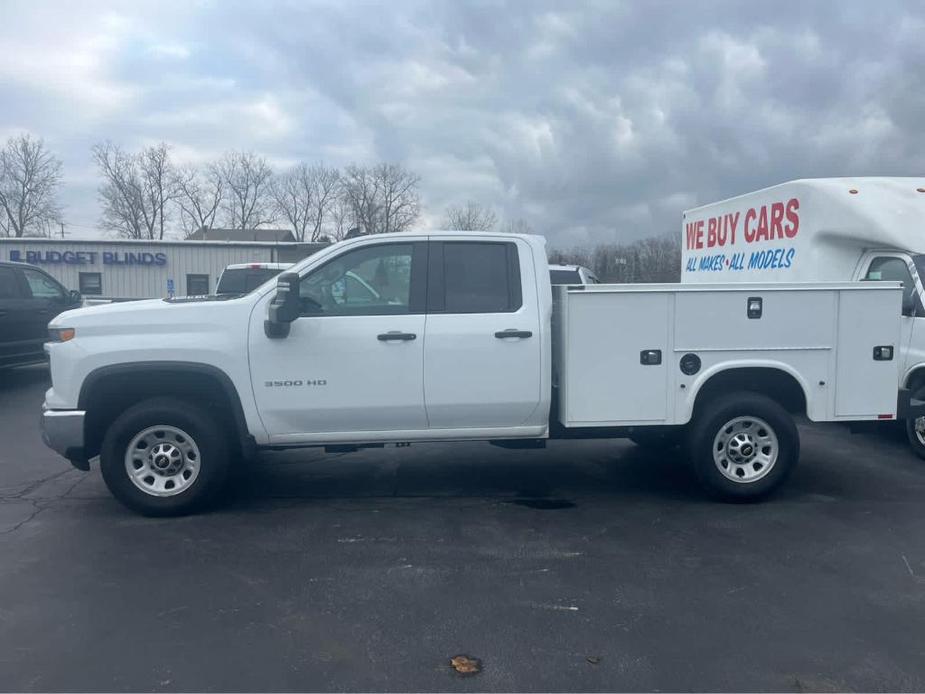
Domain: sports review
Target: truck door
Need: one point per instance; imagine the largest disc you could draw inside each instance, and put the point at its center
(14, 328)
(45, 299)
(895, 268)
(353, 361)
(482, 352)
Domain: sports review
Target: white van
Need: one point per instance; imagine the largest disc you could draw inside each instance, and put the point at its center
(827, 229)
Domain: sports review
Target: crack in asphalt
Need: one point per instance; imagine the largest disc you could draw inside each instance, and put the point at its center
(40, 504)
(32, 486)
(37, 509)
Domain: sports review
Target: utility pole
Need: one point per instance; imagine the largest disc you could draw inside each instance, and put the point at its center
(62, 229)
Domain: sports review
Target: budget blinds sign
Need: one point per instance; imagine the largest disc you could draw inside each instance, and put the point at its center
(753, 239)
(88, 257)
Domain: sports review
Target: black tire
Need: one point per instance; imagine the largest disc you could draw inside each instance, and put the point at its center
(657, 438)
(914, 442)
(711, 421)
(213, 460)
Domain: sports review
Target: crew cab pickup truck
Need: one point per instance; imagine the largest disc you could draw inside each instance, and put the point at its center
(462, 338)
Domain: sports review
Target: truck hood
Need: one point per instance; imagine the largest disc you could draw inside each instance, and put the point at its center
(152, 313)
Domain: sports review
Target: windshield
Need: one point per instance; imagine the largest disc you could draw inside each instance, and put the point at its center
(243, 280)
(564, 277)
(919, 262)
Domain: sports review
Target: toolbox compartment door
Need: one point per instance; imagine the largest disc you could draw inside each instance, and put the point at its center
(607, 382)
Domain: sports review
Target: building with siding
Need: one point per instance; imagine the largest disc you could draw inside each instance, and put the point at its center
(121, 269)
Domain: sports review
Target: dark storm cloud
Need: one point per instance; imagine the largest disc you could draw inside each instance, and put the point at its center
(590, 121)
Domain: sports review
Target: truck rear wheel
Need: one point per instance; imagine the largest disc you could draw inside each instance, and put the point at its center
(915, 428)
(164, 457)
(743, 446)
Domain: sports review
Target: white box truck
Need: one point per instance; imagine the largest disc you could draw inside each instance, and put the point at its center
(827, 229)
(460, 340)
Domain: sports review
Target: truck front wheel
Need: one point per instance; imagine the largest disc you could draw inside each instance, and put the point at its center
(742, 446)
(164, 457)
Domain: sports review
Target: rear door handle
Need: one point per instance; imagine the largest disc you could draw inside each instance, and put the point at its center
(396, 335)
(511, 332)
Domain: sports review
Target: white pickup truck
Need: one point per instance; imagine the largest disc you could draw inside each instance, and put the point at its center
(462, 338)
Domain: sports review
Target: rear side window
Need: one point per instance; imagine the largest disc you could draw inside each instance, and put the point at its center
(564, 277)
(9, 287)
(42, 286)
(243, 280)
(477, 277)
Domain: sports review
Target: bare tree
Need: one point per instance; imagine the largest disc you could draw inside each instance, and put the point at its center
(199, 195)
(29, 179)
(304, 196)
(136, 189)
(383, 198)
(158, 181)
(247, 179)
(654, 259)
(470, 217)
(341, 217)
(517, 226)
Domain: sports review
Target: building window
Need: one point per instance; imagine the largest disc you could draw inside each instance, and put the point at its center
(197, 285)
(91, 283)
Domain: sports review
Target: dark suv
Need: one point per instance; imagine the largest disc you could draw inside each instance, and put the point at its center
(29, 298)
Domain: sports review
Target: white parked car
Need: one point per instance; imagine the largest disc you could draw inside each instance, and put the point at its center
(571, 274)
(460, 336)
(242, 278)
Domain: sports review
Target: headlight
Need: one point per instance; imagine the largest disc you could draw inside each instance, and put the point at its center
(61, 334)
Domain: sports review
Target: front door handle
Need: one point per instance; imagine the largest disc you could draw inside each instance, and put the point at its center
(511, 332)
(396, 335)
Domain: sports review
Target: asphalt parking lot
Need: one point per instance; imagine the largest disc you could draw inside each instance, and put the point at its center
(585, 566)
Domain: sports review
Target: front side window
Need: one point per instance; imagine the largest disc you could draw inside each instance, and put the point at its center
(42, 286)
(479, 277)
(374, 280)
(91, 283)
(892, 269)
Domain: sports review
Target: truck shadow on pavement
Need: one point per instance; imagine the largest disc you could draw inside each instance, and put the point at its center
(557, 478)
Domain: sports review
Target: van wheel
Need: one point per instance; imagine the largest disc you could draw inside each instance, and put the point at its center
(743, 446)
(915, 428)
(164, 457)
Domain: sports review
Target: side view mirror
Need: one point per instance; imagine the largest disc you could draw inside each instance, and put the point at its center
(285, 306)
(74, 297)
(908, 304)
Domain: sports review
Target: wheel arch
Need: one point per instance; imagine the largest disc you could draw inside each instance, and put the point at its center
(914, 377)
(108, 390)
(776, 380)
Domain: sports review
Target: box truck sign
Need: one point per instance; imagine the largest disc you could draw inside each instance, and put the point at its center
(756, 238)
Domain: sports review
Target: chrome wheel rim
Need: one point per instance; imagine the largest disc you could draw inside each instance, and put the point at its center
(745, 449)
(162, 461)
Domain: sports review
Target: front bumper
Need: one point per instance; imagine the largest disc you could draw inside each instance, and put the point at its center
(63, 432)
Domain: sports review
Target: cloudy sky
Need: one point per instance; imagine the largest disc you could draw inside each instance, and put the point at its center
(591, 121)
